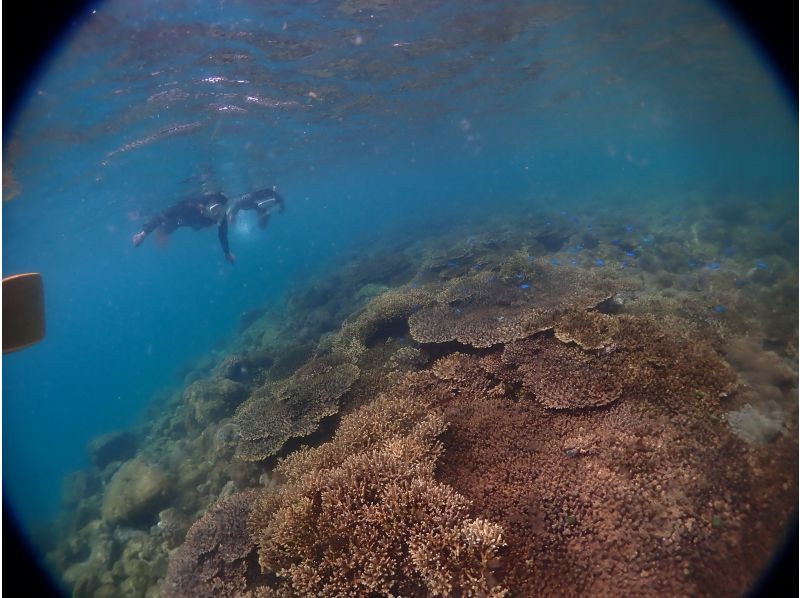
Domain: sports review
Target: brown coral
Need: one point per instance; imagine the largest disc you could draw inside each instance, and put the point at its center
(293, 407)
(482, 310)
(588, 329)
(218, 558)
(619, 500)
(382, 311)
(363, 514)
(638, 358)
(208, 401)
(563, 376)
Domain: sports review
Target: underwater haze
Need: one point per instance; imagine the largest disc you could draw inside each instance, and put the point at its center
(545, 253)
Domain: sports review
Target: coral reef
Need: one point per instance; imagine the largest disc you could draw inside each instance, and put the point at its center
(564, 376)
(374, 521)
(135, 492)
(208, 401)
(587, 329)
(245, 367)
(218, 558)
(382, 312)
(638, 358)
(293, 407)
(593, 502)
(570, 404)
(480, 310)
(114, 446)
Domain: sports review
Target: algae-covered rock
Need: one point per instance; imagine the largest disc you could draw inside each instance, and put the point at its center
(755, 426)
(173, 525)
(208, 401)
(114, 446)
(135, 493)
(243, 368)
(83, 578)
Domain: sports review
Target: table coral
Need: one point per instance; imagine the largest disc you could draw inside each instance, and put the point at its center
(564, 376)
(382, 311)
(293, 407)
(588, 329)
(481, 310)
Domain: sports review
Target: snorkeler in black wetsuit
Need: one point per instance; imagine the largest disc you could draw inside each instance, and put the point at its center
(263, 201)
(196, 212)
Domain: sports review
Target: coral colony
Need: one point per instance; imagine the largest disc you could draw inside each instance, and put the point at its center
(495, 411)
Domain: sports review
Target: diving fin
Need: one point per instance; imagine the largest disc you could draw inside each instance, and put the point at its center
(23, 311)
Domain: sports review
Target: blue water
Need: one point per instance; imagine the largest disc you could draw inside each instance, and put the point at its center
(387, 122)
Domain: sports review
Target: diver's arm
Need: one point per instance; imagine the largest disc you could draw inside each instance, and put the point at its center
(232, 211)
(150, 225)
(223, 240)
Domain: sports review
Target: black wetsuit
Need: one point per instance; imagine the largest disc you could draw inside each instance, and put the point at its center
(261, 201)
(192, 212)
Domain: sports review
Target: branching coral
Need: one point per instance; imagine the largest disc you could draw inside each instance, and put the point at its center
(292, 407)
(593, 502)
(363, 514)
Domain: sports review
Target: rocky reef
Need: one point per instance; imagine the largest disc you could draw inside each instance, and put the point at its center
(569, 404)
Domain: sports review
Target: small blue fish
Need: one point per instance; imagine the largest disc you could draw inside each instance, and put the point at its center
(648, 240)
(519, 276)
(692, 264)
(624, 263)
(574, 262)
(630, 254)
(713, 266)
(599, 262)
(548, 223)
(477, 266)
(415, 308)
(720, 309)
(524, 286)
(761, 265)
(555, 262)
(452, 264)
(629, 228)
(530, 259)
(588, 227)
(458, 311)
(615, 241)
